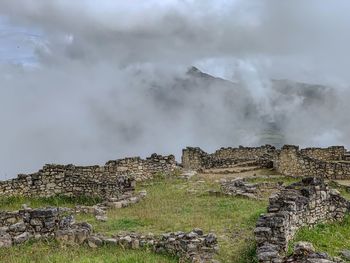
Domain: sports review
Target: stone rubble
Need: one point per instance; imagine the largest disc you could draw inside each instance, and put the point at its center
(100, 210)
(305, 252)
(240, 187)
(193, 246)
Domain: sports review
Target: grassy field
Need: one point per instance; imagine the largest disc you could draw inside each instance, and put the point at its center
(171, 205)
(49, 252)
(330, 238)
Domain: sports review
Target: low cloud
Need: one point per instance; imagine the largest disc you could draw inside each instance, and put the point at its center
(111, 79)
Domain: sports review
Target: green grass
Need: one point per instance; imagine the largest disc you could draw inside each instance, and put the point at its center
(330, 238)
(48, 252)
(16, 202)
(171, 205)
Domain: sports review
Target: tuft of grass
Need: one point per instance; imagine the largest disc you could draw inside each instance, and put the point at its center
(331, 238)
(124, 224)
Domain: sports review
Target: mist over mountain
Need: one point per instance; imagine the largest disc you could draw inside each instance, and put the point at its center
(86, 82)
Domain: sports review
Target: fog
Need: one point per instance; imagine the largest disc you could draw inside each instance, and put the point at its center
(84, 82)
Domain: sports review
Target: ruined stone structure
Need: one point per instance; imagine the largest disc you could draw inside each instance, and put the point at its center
(294, 162)
(19, 226)
(109, 180)
(242, 187)
(143, 169)
(331, 163)
(100, 210)
(301, 204)
(196, 158)
(333, 153)
(194, 246)
(305, 252)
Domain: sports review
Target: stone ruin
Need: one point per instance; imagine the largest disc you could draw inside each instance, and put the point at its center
(197, 159)
(301, 204)
(305, 252)
(119, 176)
(329, 163)
(100, 210)
(332, 153)
(243, 188)
(17, 227)
(110, 180)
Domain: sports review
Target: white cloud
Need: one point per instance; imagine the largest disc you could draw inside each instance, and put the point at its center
(111, 79)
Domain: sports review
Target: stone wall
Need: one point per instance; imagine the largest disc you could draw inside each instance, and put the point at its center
(143, 169)
(192, 158)
(250, 153)
(109, 180)
(196, 158)
(19, 226)
(333, 153)
(194, 246)
(301, 204)
(292, 162)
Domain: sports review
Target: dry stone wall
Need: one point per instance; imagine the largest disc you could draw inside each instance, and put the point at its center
(109, 180)
(333, 153)
(195, 158)
(194, 246)
(306, 203)
(292, 162)
(19, 226)
(143, 169)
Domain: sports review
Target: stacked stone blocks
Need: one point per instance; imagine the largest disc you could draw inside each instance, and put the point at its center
(306, 203)
(110, 180)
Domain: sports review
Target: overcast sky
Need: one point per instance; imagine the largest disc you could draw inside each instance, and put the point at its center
(87, 81)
